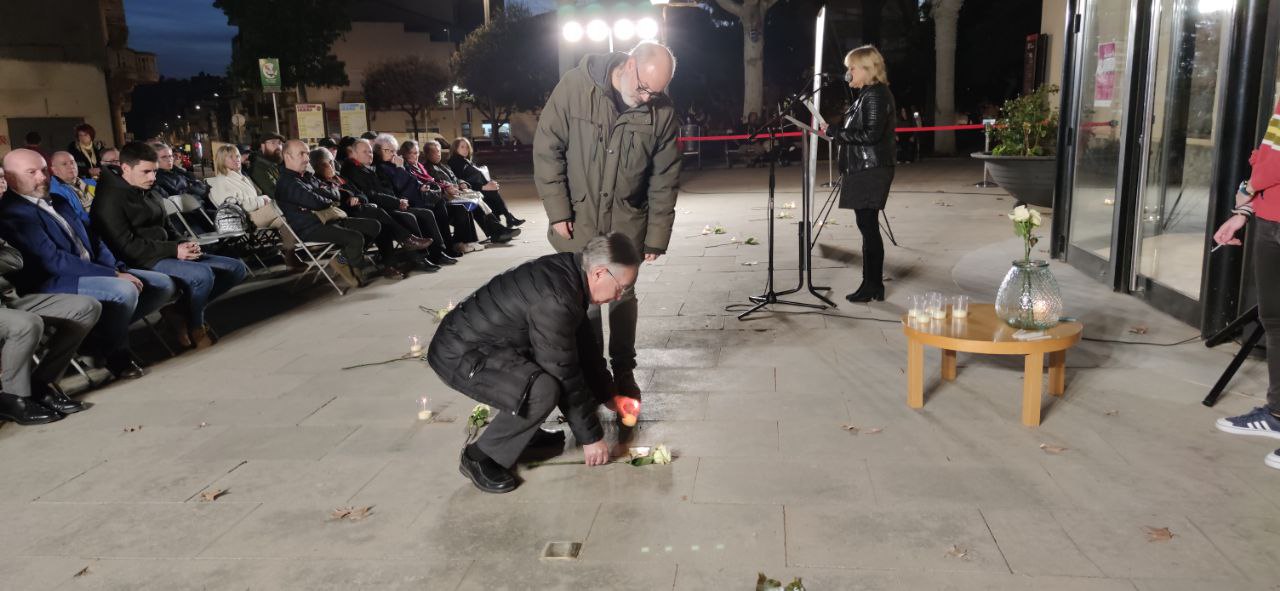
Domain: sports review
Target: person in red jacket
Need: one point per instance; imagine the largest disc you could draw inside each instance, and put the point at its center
(1258, 199)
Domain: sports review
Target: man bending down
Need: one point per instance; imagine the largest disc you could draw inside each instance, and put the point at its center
(521, 344)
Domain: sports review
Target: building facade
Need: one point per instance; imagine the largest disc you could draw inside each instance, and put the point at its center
(60, 68)
(1162, 102)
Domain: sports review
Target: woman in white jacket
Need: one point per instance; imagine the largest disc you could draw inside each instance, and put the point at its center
(231, 185)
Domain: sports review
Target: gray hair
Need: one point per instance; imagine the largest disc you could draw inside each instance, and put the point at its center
(613, 251)
(645, 51)
(386, 139)
(428, 143)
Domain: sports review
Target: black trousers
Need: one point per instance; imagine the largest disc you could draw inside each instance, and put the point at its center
(509, 434)
(391, 230)
(495, 202)
(350, 235)
(1266, 254)
(872, 246)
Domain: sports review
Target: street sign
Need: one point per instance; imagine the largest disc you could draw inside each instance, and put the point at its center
(269, 71)
(353, 119)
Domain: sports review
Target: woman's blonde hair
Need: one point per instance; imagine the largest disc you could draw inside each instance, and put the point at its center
(870, 59)
(220, 158)
(471, 150)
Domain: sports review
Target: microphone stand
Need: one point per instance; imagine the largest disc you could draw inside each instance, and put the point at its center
(770, 295)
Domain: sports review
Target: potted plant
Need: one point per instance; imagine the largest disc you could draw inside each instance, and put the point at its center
(1022, 161)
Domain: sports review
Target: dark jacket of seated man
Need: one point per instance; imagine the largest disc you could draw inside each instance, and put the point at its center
(58, 267)
(366, 180)
(525, 322)
(175, 181)
(300, 197)
(131, 222)
(407, 187)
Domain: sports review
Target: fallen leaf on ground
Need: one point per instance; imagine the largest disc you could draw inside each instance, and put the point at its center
(202, 425)
(1158, 534)
(132, 429)
(1052, 449)
(350, 513)
(750, 263)
(873, 430)
(211, 495)
(850, 428)
(942, 203)
(84, 571)
(957, 551)
(1112, 413)
(1137, 329)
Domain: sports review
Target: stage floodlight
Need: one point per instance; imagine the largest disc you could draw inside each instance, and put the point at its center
(647, 29)
(572, 31)
(597, 30)
(624, 29)
(659, 2)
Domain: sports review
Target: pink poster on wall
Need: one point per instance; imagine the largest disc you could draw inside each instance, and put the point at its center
(1104, 81)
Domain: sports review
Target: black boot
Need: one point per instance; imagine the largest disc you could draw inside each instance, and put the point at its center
(867, 292)
(513, 221)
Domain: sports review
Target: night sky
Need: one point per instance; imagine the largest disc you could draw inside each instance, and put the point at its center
(187, 36)
(191, 36)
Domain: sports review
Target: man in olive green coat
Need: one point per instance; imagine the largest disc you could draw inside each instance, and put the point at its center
(605, 160)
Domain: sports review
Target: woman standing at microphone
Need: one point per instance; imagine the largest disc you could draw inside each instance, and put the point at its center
(867, 157)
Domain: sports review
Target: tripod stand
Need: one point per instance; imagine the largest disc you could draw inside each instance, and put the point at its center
(827, 206)
(1226, 334)
(770, 295)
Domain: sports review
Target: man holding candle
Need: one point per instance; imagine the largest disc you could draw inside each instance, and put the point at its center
(522, 344)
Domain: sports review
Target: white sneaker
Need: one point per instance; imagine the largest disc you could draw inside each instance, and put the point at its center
(1273, 459)
(475, 246)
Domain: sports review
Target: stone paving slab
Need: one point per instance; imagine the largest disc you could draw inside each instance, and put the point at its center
(766, 477)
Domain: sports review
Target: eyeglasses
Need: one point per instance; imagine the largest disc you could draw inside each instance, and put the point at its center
(643, 91)
(111, 162)
(627, 290)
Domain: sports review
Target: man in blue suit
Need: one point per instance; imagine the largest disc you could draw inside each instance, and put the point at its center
(66, 181)
(62, 256)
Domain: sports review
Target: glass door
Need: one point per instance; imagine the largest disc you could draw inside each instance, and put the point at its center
(1189, 46)
(1105, 43)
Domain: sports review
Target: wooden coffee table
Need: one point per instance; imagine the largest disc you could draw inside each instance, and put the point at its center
(983, 332)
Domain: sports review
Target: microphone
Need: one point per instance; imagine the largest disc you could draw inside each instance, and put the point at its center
(833, 76)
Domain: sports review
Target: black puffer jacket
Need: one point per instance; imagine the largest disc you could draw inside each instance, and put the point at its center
(300, 197)
(176, 181)
(466, 170)
(867, 138)
(367, 180)
(527, 320)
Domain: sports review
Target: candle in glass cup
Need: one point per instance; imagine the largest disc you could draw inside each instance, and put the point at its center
(916, 308)
(960, 306)
(933, 304)
(415, 345)
(424, 412)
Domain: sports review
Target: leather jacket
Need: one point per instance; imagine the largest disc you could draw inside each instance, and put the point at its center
(867, 138)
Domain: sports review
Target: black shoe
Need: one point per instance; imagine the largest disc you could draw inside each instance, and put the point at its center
(25, 411)
(867, 293)
(544, 438)
(452, 253)
(122, 366)
(426, 265)
(441, 259)
(128, 372)
(54, 399)
(504, 236)
(487, 475)
(514, 222)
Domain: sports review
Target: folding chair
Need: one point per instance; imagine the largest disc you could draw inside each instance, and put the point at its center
(177, 205)
(318, 255)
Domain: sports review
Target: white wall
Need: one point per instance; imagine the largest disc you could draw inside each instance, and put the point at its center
(1053, 20)
(52, 89)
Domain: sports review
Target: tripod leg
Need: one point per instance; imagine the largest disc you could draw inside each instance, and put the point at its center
(888, 228)
(1230, 372)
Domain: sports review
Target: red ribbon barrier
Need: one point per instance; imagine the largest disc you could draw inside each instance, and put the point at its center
(724, 138)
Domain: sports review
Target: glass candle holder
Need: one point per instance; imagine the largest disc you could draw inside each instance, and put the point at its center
(424, 410)
(415, 345)
(960, 307)
(915, 306)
